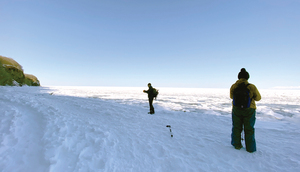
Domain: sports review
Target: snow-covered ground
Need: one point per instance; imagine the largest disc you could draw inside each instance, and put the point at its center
(61, 129)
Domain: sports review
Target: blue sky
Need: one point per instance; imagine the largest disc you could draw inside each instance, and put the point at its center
(170, 43)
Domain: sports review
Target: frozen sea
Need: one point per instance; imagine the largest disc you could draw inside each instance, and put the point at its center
(61, 129)
(278, 104)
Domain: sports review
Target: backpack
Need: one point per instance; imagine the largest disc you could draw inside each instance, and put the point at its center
(155, 92)
(241, 97)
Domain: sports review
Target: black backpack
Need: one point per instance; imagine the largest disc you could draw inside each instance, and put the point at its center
(241, 97)
(155, 93)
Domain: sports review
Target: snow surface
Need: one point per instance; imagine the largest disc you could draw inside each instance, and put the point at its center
(61, 129)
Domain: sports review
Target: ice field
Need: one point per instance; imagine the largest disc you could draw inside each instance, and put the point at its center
(67, 129)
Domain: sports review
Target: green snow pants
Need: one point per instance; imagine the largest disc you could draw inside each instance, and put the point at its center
(243, 119)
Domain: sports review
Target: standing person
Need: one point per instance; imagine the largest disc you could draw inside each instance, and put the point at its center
(150, 97)
(243, 111)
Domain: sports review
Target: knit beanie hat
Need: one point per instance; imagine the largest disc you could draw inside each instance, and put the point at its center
(243, 74)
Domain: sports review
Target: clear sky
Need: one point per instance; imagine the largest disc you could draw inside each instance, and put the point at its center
(170, 43)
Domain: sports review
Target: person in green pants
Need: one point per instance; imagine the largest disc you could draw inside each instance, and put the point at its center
(243, 116)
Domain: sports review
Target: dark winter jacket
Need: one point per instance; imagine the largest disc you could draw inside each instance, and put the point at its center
(150, 92)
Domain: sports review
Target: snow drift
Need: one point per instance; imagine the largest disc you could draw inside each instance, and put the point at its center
(108, 129)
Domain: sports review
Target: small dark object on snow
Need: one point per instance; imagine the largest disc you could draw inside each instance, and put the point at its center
(170, 130)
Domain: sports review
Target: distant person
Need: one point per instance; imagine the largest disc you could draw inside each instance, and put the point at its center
(151, 96)
(244, 96)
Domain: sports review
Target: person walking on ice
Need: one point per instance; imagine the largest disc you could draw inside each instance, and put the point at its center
(152, 93)
(244, 96)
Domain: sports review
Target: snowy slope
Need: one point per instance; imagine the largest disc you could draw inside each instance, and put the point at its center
(84, 129)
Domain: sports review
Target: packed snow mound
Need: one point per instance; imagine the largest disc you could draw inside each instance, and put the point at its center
(48, 129)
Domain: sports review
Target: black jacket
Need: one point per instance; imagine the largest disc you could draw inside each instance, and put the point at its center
(150, 92)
